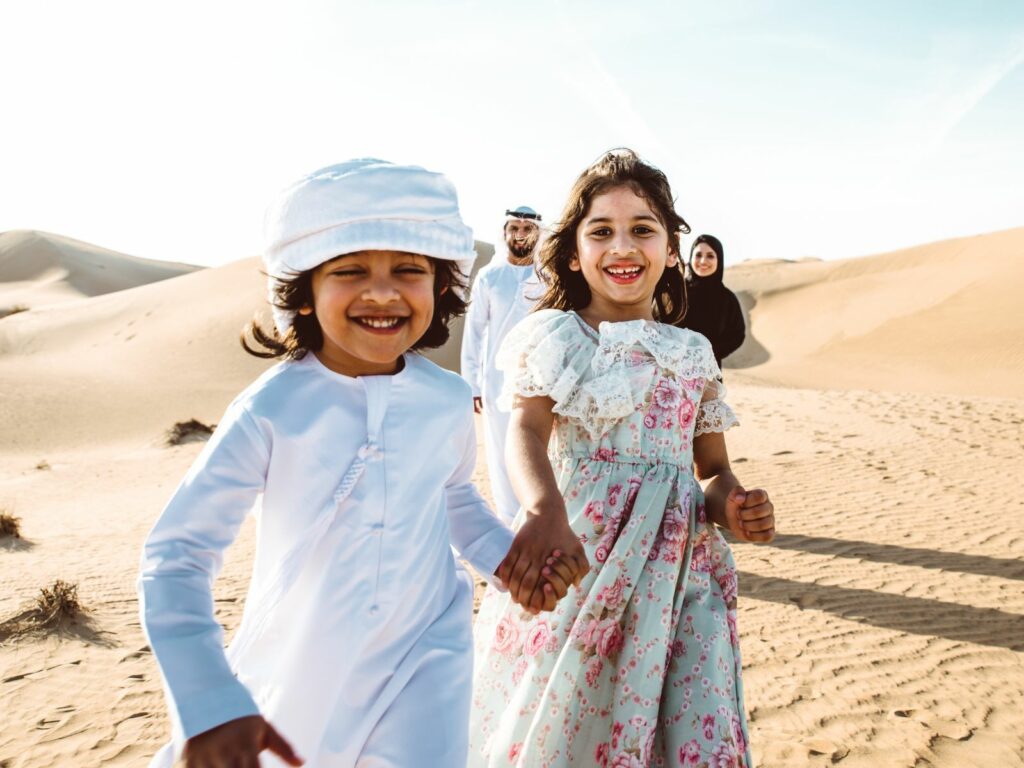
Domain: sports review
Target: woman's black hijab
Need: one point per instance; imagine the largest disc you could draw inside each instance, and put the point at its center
(712, 309)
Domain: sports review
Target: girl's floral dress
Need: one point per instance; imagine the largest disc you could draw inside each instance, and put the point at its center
(639, 665)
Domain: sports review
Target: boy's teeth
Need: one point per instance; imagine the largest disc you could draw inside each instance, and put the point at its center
(380, 322)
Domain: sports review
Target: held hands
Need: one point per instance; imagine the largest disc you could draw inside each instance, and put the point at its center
(237, 744)
(750, 515)
(546, 557)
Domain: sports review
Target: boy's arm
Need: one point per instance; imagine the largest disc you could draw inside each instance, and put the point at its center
(546, 528)
(181, 558)
(476, 532)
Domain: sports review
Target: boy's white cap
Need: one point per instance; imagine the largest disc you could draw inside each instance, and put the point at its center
(363, 205)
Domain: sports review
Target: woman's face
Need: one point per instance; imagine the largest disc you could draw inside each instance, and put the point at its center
(703, 260)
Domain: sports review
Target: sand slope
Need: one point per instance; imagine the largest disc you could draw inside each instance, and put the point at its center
(38, 268)
(883, 627)
(943, 317)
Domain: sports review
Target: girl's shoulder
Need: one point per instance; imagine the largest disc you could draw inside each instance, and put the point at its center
(549, 326)
(680, 350)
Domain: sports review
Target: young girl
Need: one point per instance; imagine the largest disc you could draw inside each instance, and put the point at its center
(357, 456)
(640, 666)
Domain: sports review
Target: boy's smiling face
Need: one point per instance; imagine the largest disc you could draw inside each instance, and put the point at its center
(372, 306)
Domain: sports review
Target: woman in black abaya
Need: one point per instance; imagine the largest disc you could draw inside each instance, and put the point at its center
(712, 309)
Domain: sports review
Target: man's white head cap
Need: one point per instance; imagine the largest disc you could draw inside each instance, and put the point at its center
(362, 205)
(523, 213)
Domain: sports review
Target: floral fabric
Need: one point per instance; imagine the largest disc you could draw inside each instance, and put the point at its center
(639, 665)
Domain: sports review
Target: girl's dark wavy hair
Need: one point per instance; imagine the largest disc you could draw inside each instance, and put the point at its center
(305, 334)
(567, 289)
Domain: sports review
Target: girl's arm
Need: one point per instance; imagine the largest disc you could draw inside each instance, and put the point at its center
(546, 530)
(749, 515)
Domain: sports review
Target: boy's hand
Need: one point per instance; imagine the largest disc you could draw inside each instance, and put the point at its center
(521, 570)
(750, 515)
(237, 744)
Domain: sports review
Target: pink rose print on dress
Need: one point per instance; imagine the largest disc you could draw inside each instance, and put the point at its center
(734, 635)
(707, 724)
(673, 525)
(617, 729)
(666, 395)
(506, 637)
(613, 494)
(601, 553)
(604, 454)
(689, 753)
(594, 512)
(737, 733)
(584, 631)
(514, 750)
(634, 489)
(594, 667)
(601, 754)
(537, 637)
(609, 639)
(725, 756)
(686, 412)
(519, 671)
(626, 760)
(613, 594)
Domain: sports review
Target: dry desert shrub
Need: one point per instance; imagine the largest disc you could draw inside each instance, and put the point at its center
(10, 525)
(56, 608)
(8, 311)
(188, 431)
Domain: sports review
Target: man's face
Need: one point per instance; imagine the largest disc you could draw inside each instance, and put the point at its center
(521, 237)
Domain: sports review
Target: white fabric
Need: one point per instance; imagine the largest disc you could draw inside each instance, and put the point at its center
(502, 295)
(549, 352)
(356, 604)
(362, 205)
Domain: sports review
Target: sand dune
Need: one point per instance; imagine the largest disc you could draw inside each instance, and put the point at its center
(880, 401)
(37, 268)
(943, 317)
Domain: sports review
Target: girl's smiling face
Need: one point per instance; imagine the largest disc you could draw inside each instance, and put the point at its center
(372, 306)
(622, 249)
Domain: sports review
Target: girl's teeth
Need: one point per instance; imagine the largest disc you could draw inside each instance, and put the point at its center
(624, 271)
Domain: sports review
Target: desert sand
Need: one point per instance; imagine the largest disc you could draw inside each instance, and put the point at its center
(881, 402)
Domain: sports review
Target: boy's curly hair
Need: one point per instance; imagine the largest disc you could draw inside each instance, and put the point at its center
(305, 334)
(567, 289)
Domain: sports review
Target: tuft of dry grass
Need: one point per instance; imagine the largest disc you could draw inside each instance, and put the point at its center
(58, 603)
(56, 608)
(8, 311)
(43, 465)
(189, 431)
(10, 525)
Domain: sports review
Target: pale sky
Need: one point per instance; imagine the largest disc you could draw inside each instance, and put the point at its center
(788, 128)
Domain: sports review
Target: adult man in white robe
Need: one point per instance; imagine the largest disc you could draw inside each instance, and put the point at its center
(503, 293)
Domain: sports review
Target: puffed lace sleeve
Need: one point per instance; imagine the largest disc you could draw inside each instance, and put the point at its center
(545, 355)
(714, 414)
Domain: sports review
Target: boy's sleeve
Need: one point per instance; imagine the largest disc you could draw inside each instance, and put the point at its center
(473, 336)
(181, 558)
(476, 532)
